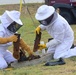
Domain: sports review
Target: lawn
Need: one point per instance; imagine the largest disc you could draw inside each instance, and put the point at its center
(28, 34)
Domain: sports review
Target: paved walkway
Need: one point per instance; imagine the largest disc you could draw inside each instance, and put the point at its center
(4, 2)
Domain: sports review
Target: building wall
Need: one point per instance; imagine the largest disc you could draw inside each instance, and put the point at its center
(4, 2)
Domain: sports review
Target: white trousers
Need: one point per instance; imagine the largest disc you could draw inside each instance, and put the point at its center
(5, 59)
(63, 50)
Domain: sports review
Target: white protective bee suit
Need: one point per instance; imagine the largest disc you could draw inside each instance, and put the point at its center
(6, 56)
(61, 32)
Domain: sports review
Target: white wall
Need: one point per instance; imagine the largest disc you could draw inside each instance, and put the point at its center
(4, 2)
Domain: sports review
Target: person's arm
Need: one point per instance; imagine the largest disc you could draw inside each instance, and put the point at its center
(12, 38)
(52, 43)
(4, 40)
(58, 35)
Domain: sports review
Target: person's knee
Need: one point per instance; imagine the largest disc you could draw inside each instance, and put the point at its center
(56, 57)
(3, 66)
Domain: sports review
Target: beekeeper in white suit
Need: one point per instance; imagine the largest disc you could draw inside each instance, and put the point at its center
(7, 36)
(61, 32)
(10, 23)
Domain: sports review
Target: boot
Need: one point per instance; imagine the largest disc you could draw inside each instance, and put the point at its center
(59, 62)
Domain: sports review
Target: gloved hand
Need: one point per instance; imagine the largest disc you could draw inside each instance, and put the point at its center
(12, 38)
(41, 46)
(37, 30)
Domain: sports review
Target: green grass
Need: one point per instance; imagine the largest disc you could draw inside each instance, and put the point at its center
(28, 34)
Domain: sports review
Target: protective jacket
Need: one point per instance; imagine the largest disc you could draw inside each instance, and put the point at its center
(6, 56)
(62, 34)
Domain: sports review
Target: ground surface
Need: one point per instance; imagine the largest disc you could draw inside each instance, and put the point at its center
(27, 33)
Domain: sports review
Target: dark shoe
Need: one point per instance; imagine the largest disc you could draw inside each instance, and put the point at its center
(59, 62)
(72, 46)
